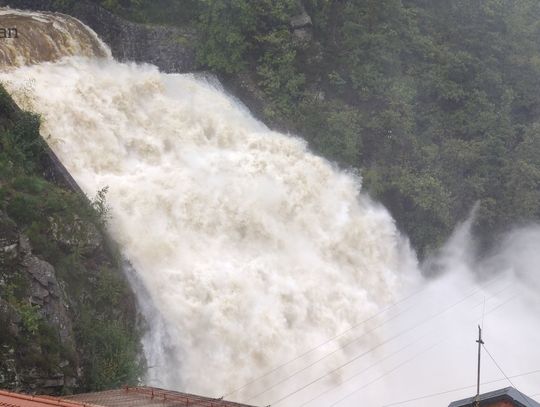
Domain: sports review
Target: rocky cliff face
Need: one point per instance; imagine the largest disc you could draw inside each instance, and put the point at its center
(68, 318)
(62, 294)
(170, 49)
(32, 305)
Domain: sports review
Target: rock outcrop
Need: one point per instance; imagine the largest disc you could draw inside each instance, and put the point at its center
(62, 288)
(301, 25)
(29, 295)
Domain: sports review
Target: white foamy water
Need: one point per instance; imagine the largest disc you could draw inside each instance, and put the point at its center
(249, 250)
(250, 247)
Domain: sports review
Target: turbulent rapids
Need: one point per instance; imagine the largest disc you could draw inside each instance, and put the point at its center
(246, 249)
(45, 37)
(249, 247)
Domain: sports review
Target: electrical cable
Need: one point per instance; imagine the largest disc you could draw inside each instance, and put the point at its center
(276, 368)
(505, 376)
(386, 373)
(393, 370)
(379, 345)
(495, 295)
(442, 393)
(341, 347)
(363, 371)
(387, 308)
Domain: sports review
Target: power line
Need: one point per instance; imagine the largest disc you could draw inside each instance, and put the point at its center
(438, 343)
(498, 366)
(504, 303)
(327, 355)
(393, 354)
(379, 345)
(364, 370)
(504, 374)
(391, 371)
(414, 294)
(276, 368)
(459, 389)
(386, 373)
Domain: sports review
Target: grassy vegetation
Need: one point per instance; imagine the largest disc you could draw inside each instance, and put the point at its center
(66, 230)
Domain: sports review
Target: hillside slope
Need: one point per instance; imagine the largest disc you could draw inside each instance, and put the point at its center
(68, 316)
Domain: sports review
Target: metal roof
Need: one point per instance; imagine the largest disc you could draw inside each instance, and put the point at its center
(125, 397)
(9, 399)
(508, 393)
(148, 397)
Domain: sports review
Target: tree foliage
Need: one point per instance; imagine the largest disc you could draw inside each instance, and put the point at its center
(435, 101)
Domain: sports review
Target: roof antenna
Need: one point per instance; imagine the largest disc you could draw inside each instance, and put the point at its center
(480, 343)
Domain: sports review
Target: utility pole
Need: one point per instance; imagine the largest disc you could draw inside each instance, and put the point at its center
(480, 343)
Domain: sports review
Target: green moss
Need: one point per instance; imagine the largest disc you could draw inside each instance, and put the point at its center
(29, 184)
(24, 208)
(110, 355)
(181, 39)
(58, 223)
(30, 317)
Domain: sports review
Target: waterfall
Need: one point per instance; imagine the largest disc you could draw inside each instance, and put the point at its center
(44, 37)
(248, 249)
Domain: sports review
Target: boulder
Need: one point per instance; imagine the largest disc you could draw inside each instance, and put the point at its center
(76, 235)
(301, 26)
(43, 281)
(302, 35)
(301, 20)
(46, 293)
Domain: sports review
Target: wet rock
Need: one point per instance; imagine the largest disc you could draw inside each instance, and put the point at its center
(302, 35)
(302, 28)
(9, 240)
(24, 246)
(76, 235)
(43, 281)
(301, 20)
(46, 293)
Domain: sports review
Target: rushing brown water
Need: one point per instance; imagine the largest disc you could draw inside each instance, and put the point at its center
(239, 234)
(44, 37)
(251, 252)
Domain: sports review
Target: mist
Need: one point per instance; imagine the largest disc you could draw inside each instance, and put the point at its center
(266, 274)
(425, 344)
